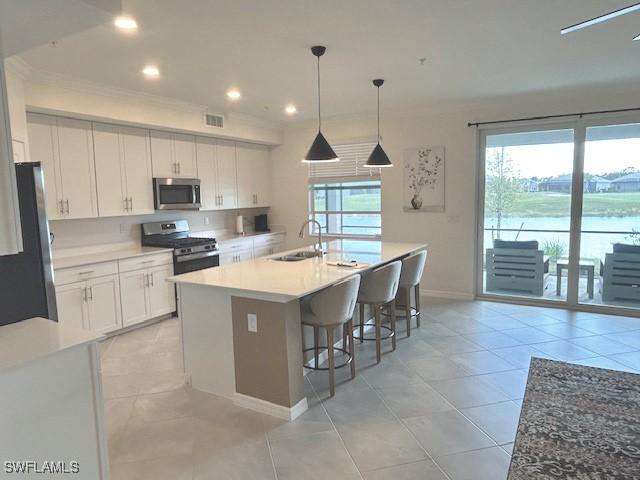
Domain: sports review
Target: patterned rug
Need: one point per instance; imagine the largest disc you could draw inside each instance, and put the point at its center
(579, 423)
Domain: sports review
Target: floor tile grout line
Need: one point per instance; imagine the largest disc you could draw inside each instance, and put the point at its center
(403, 424)
(335, 429)
(273, 463)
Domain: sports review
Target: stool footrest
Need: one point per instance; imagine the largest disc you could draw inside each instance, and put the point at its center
(336, 349)
(366, 339)
(400, 313)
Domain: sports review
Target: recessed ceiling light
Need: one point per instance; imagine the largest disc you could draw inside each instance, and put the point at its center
(290, 109)
(125, 23)
(151, 71)
(234, 94)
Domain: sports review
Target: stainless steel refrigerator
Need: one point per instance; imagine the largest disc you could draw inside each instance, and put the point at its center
(26, 279)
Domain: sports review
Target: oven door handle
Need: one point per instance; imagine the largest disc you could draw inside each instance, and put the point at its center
(196, 256)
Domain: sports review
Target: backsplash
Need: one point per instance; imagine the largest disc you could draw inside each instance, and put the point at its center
(97, 231)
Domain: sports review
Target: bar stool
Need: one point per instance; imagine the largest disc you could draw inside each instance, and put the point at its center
(377, 289)
(412, 268)
(331, 308)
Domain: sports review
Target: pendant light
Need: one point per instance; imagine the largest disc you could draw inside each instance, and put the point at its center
(320, 150)
(378, 157)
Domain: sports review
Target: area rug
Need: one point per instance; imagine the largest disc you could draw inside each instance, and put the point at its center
(578, 423)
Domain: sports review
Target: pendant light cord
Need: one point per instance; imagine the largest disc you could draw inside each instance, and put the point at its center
(319, 115)
(378, 114)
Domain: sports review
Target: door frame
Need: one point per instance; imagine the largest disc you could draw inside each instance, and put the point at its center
(579, 126)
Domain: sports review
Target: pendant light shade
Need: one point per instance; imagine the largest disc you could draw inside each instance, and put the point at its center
(320, 150)
(378, 157)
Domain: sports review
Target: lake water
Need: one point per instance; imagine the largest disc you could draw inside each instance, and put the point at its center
(593, 245)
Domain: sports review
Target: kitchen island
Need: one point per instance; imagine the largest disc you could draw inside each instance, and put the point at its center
(240, 323)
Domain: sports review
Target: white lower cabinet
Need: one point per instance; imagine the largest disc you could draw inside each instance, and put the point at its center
(240, 250)
(133, 289)
(72, 309)
(90, 298)
(92, 304)
(162, 296)
(103, 304)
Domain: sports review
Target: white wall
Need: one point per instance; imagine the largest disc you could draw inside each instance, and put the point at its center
(49, 93)
(450, 235)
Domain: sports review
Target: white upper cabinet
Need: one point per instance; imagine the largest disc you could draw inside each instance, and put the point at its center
(123, 170)
(254, 188)
(227, 179)
(43, 141)
(216, 164)
(173, 155)
(137, 168)
(65, 148)
(208, 173)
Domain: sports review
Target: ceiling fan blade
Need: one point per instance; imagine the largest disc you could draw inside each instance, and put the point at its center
(601, 18)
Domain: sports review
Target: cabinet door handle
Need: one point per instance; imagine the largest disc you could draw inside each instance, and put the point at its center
(67, 204)
(90, 293)
(126, 204)
(61, 207)
(222, 200)
(151, 280)
(86, 272)
(178, 166)
(84, 294)
(146, 280)
(131, 204)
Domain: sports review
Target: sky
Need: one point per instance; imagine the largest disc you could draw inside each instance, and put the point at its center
(601, 157)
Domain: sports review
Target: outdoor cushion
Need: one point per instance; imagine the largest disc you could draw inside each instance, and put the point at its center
(625, 248)
(529, 245)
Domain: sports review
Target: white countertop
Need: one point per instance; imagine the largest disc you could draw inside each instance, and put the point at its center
(228, 237)
(289, 280)
(104, 256)
(35, 338)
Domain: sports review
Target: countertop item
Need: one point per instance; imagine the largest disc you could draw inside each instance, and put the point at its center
(577, 422)
(105, 256)
(25, 341)
(289, 280)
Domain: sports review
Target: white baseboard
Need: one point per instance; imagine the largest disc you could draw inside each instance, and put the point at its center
(446, 294)
(275, 410)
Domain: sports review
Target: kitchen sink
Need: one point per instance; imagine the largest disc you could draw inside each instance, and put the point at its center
(298, 256)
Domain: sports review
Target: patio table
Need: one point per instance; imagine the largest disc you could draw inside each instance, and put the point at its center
(586, 266)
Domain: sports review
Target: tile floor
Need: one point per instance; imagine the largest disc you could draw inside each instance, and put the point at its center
(444, 405)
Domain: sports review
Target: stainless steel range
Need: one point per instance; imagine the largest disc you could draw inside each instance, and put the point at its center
(189, 253)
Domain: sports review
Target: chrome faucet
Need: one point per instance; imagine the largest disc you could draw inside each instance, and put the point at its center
(318, 249)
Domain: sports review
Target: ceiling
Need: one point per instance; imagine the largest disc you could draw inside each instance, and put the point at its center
(474, 50)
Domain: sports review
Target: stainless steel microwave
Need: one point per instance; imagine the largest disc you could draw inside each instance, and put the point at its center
(176, 193)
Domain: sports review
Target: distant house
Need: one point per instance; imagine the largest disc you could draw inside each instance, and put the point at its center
(529, 185)
(563, 183)
(597, 185)
(627, 183)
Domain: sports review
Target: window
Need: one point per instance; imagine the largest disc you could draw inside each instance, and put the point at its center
(345, 196)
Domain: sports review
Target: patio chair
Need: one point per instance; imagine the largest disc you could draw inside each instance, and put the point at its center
(621, 273)
(517, 266)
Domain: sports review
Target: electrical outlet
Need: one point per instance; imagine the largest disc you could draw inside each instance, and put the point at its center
(252, 322)
(123, 228)
(206, 220)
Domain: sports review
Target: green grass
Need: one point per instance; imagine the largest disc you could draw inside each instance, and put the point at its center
(551, 204)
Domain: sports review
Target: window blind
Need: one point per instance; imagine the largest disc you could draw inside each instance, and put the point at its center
(352, 156)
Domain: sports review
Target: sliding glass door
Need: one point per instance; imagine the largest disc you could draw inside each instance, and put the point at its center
(527, 212)
(559, 214)
(610, 232)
